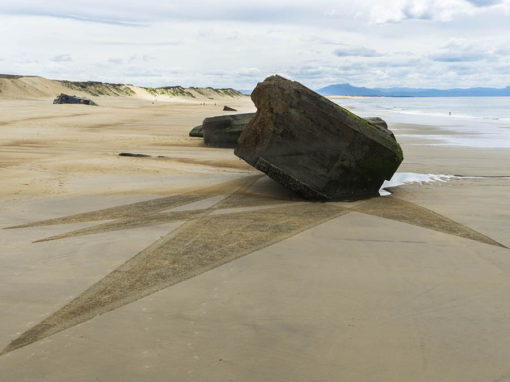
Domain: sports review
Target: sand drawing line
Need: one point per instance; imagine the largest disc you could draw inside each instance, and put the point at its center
(406, 212)
(3, 123)
(209, 238)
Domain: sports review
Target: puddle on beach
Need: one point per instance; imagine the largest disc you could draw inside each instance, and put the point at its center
(402, 178)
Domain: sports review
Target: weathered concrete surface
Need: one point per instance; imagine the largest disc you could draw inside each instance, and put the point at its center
(313, 146)
(197, 131)
(224, 130)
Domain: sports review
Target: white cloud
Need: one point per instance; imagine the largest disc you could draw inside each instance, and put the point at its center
(62, 58)
(249, 72)
(441, 10)
(233, 43)
(356, 51)
(116, 61)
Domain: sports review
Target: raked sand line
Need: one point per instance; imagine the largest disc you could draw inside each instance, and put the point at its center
(411, 213)
(141, 209)
(208, 240)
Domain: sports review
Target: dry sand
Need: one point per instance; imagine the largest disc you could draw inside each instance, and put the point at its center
(196, 267)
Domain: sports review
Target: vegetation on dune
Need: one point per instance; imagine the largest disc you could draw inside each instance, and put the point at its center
(172, 91)
(179, 91)
(10, 76)
(229, 92)
(200, 91)
(97, 89)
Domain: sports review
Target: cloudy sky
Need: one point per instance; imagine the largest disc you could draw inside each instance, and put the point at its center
(236, 43)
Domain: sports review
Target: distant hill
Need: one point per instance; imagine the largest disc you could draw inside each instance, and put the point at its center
(17, 86)
(349, 90)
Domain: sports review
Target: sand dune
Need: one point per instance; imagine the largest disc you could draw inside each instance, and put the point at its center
(27, 87)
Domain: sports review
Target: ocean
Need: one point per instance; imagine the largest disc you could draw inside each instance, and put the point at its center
(481, 121)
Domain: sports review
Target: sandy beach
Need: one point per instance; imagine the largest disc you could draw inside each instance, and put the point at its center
(257, 284)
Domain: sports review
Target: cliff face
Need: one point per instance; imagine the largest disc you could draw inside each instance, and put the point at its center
(14, 86)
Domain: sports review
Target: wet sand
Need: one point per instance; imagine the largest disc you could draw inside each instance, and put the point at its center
(196, 267)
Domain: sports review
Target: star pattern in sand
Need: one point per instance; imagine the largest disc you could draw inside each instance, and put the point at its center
(237, 224)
